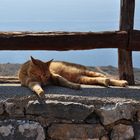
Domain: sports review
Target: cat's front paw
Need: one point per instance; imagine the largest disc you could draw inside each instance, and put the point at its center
(41, 94)
(38, 90)
(41, 97)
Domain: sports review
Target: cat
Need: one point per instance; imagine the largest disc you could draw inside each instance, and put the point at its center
(35, 73)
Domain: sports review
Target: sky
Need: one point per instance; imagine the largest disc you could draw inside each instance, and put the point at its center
(64, 15)
(62, 12)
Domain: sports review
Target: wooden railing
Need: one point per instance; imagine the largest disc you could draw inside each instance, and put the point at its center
(126, 40)
(62, 41)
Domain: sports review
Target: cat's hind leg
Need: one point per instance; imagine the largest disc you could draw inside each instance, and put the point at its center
(94, 80)
(59, 80)
(99, 78)
(90, 73)
(120, 83)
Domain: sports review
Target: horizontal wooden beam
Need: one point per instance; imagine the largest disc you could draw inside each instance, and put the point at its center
(134, 40)
(62, 40)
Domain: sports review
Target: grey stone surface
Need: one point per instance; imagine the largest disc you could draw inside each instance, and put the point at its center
(21, 130)
(116, 93)
(76, 131)
(93, 118)
(122, 132)
(59, 110)
(1, 108)
(111, 113)
(105, 138)
(138, 115)
(14, 109)
(136, 127)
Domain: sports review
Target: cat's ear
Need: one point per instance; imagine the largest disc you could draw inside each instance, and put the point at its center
(49, 62)
(34, 61)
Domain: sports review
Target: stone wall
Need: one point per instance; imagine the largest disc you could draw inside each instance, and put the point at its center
(69, 118)
(89, 114)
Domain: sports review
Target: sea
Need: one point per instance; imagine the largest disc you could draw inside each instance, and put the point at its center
(62, 15)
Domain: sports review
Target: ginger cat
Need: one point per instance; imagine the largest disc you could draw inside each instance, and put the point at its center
(35, 73)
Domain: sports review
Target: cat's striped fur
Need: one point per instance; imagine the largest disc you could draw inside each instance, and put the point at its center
(35, 73)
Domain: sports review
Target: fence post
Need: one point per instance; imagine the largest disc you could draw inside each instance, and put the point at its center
(125, 57)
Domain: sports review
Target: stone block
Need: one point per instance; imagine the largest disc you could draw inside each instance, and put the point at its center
(138, 115)
(92, 119)
(21, 130)
(60, 110)
(76, 131)
(14, 109)
(136, 127)
(122, 132)
(104, 138)
(111, 113)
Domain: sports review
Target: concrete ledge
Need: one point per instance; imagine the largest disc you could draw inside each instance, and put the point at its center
(93, 112)
(111, 94)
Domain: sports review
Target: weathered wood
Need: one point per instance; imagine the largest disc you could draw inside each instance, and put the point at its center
(62, 40)
(134, 40)
(125, 57)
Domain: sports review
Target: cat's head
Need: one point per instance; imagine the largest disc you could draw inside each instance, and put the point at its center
(39, 70)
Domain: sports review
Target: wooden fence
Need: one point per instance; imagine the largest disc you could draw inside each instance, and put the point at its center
(126, 40)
